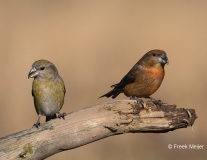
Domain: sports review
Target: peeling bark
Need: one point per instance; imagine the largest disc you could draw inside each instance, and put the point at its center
(91, 124)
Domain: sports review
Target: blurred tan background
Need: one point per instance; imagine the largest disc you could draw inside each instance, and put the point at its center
(94, 44)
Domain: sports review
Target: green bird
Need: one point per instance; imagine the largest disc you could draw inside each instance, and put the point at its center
(48, 90)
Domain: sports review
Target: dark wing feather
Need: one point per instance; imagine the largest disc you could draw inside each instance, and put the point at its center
(64, 90)
(130, 77)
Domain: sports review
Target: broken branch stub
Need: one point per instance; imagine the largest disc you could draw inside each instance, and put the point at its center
(91, 124)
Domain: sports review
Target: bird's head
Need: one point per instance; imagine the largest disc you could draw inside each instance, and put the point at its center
(154, 58)
(43, 70)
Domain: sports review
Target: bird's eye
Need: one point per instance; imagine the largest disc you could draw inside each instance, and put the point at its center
(154, 54)
(42, 68)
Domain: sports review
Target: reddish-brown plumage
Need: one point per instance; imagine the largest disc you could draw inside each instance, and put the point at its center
(144, 78)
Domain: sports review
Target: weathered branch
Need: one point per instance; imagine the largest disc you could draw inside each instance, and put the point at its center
(91, 124)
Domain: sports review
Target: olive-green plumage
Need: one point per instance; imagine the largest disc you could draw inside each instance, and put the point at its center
(48, 90)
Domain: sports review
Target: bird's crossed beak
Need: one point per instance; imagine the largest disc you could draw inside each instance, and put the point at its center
(165, 59)
(32, 73)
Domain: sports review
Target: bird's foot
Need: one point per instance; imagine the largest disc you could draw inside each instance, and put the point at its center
(61, 115)
(36, 124)
(156, 102)
(138, 100)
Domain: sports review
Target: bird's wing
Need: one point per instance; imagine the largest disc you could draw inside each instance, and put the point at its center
(130, 77)
(60, 80)
(64, 90)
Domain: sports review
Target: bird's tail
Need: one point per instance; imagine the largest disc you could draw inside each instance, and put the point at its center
(113, 93)
(51, 117)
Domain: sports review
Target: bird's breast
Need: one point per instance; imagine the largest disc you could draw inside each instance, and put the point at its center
(146, 83)
(48, 97)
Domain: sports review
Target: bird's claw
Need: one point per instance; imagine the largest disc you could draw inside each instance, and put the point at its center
(62, 115)
(138, 100)
(156, 102)
(36, 124)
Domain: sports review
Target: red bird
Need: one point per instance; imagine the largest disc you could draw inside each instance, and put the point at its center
(143, 79)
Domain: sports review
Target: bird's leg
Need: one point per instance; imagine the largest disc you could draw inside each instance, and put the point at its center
(138, 100)
(156, 102)
(61, 115)
(38, 122)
